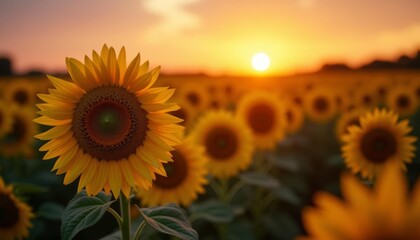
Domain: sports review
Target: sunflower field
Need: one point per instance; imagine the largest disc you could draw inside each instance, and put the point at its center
(114, 151)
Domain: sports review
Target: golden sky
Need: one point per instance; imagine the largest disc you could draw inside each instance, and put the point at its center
(210, 36)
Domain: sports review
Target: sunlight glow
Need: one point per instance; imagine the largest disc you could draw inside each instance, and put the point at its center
(260, 61)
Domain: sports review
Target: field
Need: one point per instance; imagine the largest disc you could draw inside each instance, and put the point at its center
(259, 158)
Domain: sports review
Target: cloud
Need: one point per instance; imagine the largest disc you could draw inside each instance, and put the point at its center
(173, 17)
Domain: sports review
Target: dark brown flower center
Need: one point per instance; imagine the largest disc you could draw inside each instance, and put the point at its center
(214, 104)
(366, 99)
(418, 91)
(378, 144)
(21, 97)
(221, 143)
(382, 91)
(109, 123)
(403, 101)
(9, 213)
(321, 104)
(297, 100)
(261, 118)
(193, 98)
(290, 116)
(176, 172)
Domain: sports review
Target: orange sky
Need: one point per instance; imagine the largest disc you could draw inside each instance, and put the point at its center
(211, 36)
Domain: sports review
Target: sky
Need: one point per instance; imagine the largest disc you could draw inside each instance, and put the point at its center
(216, 37)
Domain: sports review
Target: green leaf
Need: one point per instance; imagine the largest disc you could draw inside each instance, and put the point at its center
(82, 212)
(51, 211)
(288, 163)
(259, 179)
(169, 219)
(287, 195)
(213, 211)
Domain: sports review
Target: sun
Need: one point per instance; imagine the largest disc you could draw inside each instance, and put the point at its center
(260, 61)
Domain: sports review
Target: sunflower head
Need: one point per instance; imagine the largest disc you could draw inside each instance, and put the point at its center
(385, 212)
(320, 104)
(403, 100)
(227, 142)
(19, 139)
(184, 179)
(20, 92)
(109, 126)
(379, 138)
(15, 215)
(293, 117)
(263, 113)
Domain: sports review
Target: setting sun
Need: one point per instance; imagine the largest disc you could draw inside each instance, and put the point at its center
(260, 61)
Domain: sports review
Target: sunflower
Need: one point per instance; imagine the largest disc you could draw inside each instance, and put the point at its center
(184, 179)
(293, 117)
(262, 112)
(385, 212)
(348, 119)
(20, 92)
(227, 141)
(378, 139)
(15, 215)
(194, 95)
(366, 97)
(19, 139)
(402, 99)
(320, 104)
(108, 125)
(5, 119)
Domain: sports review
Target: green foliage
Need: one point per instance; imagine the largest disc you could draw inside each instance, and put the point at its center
(82, 212)
(212, 210)
(169, 219)
(259, 179)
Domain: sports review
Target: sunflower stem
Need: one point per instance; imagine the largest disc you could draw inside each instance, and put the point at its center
(116, 215)
(125, 214)
(139, 230)
(233, 190)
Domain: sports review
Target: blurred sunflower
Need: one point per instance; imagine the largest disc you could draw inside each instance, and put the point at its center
(320, 104)
(346, 120)
(109, 126)
(293, 117)
(378, 139)
(15, 215)
(194, 95)
(184, 179)
(227, 142)
(366, 97)
(20, 92)
(382, 86)
(19, 139)
(402, 99)
(5, 119)
(385, 212)
(262, 112)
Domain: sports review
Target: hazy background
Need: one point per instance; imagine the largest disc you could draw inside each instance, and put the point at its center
(215, 37)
